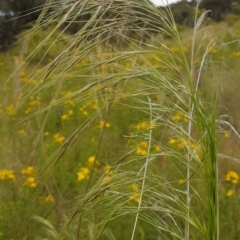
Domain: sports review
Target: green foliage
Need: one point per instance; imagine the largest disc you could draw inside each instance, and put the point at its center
(104, 142)
(14, 15)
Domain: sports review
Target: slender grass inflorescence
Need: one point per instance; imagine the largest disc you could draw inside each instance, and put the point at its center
(122, 70)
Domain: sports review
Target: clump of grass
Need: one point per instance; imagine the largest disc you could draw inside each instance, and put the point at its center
(166, 122)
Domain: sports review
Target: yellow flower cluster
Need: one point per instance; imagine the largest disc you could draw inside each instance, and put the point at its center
(58, 138)
(157, 148)
(232, 176)
(145, 125)
(67, 116)
(230, 192)
(29, 173)
(83, 173)
(32, 103)
(181, 143)
(179, 117)
(89, 105)
(178, 143)
(226, 134)
(7, 175)
(30, 182)
(103, 123)
(142, 148)
(22, 132)
(236, 54)
(49, 199)
(83, 110)
(70, 113)
(135, 195)
(181, 181)
(91, 160)
(213, 50)
(11, 110)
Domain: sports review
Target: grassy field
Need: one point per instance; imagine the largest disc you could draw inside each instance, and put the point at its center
(116, 143)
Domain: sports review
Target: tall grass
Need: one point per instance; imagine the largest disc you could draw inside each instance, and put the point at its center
(172, 86)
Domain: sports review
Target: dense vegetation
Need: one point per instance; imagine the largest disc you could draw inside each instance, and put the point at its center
(16, 15)
(104, 140)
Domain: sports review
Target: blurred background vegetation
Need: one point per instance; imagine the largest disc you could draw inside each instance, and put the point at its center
(17, 15)
(26, 154)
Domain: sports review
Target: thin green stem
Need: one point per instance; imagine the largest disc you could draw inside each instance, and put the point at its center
(145, 172)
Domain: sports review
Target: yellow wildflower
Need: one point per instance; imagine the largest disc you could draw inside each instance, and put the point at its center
(28, 110)
(30, 182)
(179, 117)
(229, 193)
(64, 117)
(58, 138)
(135, 197)
(10, 110)
(172, 141)
(226, 134)
(94, 106)
(142, 148)
(145, 125)
(181, 181)
(176, 117)
(103, 123)
(28, 171)
(157, 148)
(22, 132)
(49, 199)
(83, 111)
(7, 175)
(70, 113)
(232, 176)
(213, 50)
(83, 173)
(91, 161)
